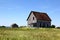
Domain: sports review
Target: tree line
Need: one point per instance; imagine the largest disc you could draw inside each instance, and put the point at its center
(13, 26)
(16, 26)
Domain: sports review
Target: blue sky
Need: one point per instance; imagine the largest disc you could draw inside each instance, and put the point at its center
(17, 11)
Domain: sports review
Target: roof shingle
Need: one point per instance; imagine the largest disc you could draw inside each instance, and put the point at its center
(41, 16)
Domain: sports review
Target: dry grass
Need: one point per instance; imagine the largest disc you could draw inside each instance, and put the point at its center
(29, 34)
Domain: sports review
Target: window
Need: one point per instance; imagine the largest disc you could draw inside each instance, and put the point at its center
(33, 18)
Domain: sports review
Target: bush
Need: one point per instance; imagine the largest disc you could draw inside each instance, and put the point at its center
(2, 26)
(53, 26)
(58, 27)
(14, 25)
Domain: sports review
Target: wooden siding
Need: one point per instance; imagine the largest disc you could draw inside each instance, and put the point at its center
(30, 20)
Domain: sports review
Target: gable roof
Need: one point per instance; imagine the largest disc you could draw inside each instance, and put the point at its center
(40, 16)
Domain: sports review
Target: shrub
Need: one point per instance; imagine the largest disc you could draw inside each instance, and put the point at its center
(2, 26)
(53, 26)
(58, 27)
(14, 25)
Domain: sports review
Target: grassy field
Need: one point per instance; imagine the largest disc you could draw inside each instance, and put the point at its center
(29, 34)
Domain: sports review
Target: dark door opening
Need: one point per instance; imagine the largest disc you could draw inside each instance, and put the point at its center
(40, 24)
(43, 25)
(34, 25)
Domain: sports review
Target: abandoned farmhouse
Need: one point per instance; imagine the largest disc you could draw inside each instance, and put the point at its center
(38, 19)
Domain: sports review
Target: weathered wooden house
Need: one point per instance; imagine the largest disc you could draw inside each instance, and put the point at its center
(38, 19)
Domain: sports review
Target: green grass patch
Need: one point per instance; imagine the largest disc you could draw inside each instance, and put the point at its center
(29, 34)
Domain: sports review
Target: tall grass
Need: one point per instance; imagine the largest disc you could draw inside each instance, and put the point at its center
(29, 34)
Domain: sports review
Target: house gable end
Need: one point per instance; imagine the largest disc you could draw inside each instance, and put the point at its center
(32, 18)
(30, 14)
